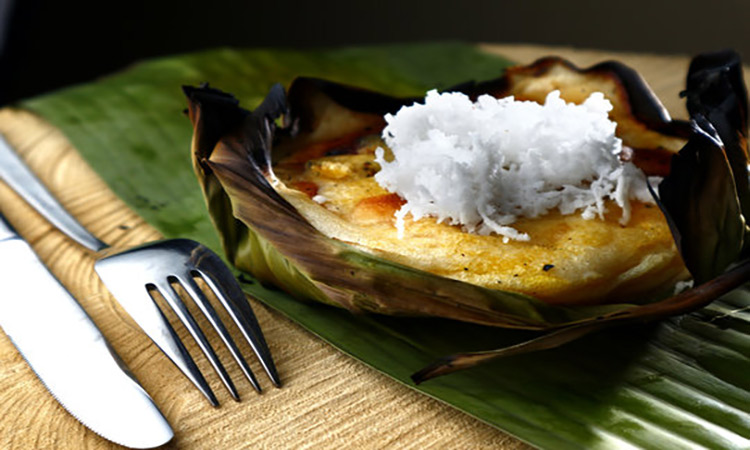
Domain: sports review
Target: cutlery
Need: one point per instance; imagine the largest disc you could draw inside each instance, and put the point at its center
(68, 353)
(132, 275)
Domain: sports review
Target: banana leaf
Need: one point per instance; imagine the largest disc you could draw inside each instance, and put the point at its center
(679, 383)
(706, 197)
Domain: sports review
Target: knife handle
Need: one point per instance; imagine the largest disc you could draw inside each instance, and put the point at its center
(23, 181)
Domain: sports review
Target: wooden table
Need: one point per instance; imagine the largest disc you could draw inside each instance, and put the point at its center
(329, 400)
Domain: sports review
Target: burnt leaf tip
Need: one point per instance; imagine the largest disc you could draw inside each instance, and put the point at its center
(452, 363)
(439, 367)
(706, 196)
(274, 105)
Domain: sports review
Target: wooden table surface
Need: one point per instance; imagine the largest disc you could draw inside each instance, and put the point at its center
(329, 400)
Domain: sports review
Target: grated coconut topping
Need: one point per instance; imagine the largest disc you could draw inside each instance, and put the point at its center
(484, 164)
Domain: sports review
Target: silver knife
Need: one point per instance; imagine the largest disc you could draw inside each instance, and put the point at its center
(68, 353)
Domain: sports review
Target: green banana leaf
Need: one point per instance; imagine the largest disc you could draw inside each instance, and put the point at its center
(681, 383)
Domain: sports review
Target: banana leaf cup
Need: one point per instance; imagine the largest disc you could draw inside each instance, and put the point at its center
(267, 229)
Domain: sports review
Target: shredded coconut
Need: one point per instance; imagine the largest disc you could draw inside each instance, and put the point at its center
(319, 199)
(483, 164)
(682, 286)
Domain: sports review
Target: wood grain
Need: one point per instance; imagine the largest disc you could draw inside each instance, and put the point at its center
(329, 400)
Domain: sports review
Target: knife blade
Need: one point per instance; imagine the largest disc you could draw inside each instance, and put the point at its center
(68, 353)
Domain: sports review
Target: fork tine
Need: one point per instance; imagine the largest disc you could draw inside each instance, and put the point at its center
(141, 306)
(155, 324)
(173, 299)
(191, 287)
(180, 357)
(227, 290)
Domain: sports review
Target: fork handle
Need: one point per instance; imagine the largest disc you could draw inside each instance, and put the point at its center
(22, 180)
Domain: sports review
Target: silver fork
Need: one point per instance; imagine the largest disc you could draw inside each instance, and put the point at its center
(132, 275)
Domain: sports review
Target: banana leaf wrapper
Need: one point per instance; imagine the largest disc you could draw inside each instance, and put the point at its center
(265, 232)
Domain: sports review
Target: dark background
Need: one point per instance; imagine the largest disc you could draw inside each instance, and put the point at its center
(46, 44)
